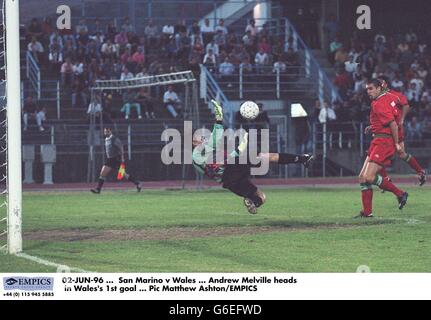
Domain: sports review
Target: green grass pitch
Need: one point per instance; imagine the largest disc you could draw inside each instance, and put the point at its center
(297, 230)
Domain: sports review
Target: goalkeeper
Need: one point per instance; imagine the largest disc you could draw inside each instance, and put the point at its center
(114, 159)
(235, 176)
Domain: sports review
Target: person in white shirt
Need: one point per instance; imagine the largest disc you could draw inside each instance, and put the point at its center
(95, 107)
(351, 66)
(36, 48)
(126, 75)
(221, 27)
(213, 46)
(418, 82)
(397, 84)
(207, 31)
(167, 33)
(210, 60)
(261, 60)
(109, 49)
(327, 114)
(172, 102)
(252, 28)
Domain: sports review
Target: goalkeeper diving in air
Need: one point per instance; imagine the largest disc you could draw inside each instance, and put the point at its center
(234, 175)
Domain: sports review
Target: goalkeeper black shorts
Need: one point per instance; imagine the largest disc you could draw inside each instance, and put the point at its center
(236, 178)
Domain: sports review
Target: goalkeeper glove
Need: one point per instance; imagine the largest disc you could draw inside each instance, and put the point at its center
(218, 110)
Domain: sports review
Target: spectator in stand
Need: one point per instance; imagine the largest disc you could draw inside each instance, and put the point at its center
(195, 32)
(220, 40)
(139, 57)
(327, 114)
(121, 39)
(96, 28)
(172, 102)
(129, 101)
(30, 111)
(111, 31)
(55, 38)
(126, 75)
(34, 30)
(261, 60)
(40, 117)
(221, 27)
(127, 26)
(412, 94)
(210, 61)
(249, 42)
(143, 97)
(343, 82)
(397, 84)
(167, 33)
(226, 70)
(36, 49)
(414, 129)
(78, 69)
(265, 46)
(55, 58)
(341, 56)
(214, 47)
(95, 107)
(82, 27)
(252, 28)
(334, 46)
(109, 50)
(207, 32)
(183, 44)
(151, 33)
(69, 50)
(67, 73)
(290, 44)
(78, 90)
(351, 66)
(198, 48)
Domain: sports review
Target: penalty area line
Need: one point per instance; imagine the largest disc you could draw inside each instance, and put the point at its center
(61, 268)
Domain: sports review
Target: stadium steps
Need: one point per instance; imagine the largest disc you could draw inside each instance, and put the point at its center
(322, 58)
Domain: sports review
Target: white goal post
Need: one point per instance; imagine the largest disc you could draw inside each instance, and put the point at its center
(13, 130)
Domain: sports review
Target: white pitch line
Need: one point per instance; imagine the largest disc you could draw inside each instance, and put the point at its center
(60, 267)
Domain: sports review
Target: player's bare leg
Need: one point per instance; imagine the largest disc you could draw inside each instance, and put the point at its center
(103, 174)
(413, 163)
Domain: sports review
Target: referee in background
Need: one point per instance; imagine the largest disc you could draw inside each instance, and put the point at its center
(114, 158)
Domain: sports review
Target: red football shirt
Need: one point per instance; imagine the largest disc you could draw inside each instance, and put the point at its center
(401, 101)
(383, 112)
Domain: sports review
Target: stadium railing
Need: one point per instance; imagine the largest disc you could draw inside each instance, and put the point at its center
(210, 89)
(33, 73)
(325, 88)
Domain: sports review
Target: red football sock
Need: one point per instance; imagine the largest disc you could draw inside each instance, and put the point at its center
(389, 186)
(367, 201)
(415, 165)
(384, 174)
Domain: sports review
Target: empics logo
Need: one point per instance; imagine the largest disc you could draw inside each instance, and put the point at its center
(28, 284)
(11, 281)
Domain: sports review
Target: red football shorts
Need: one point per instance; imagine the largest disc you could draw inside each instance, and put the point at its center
(381, 151)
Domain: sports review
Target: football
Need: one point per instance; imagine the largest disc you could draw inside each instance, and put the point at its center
(249, 110)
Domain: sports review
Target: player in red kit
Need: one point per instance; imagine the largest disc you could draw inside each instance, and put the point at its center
(383, 147)
(403, 108)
